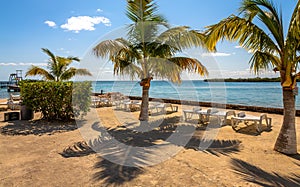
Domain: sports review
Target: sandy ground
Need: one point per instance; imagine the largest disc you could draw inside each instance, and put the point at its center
(39, 153)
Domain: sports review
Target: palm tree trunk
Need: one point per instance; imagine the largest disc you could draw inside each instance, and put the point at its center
(144, 116)
(286, 141)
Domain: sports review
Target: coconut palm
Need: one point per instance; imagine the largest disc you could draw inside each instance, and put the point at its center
(271, 47)
(58, 67)
(149, 52)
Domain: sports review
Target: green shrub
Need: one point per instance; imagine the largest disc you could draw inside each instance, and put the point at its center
(57, 100)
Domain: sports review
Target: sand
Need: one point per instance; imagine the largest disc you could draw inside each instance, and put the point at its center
(40, 153)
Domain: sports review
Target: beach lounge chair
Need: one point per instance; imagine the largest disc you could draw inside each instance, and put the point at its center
(14, 102)
(95, 101)
(188, 114)
(128, 105)
(222, 115)
(100, 101)
(133, 105)
(105, 102)
(122, 103)
(257, 120)
(115, 97)
(162, 107)
(205, 114)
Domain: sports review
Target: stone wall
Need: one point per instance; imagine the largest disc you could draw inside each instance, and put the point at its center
(218, 105)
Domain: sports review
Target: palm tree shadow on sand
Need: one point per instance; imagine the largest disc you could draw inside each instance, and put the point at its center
(37, 127)
(258, 176)
(118, 163)
(250, 129)
(296, 157)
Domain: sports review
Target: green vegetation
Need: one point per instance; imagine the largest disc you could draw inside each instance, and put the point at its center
(58, 68)
(259, 28)
(149, 52)
(57, 100)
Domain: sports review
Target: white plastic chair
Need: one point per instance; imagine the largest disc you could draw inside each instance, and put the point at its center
(257, 120)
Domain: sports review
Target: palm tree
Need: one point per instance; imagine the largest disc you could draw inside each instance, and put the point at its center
(148, 53)
(271, 47)
(58, 67)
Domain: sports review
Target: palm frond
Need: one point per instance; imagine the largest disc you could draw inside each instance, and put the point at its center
(109, 48)
(143, 10)
(34, 70)
(266, 11)
(190, 64)
(160, 50)
(293, 36)
(71, 72)
(52, 64)
(72, 58)
(143, 32)
(250, 9)
(261, 60)
(58, 68)
(148, 48)
(171, 68)
(164, 36)
(124, 58)
(163, 68)
(49, 53)
(132, 70)
(146, 20)
(181, 38)
(249, 35)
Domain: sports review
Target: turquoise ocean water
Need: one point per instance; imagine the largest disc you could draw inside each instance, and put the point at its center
(265, 94)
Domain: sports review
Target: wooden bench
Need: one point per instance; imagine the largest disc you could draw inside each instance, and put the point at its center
(11, 116)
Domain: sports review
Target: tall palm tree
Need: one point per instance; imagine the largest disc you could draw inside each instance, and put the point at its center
(58, 67)
(148, 52)
(271, 47)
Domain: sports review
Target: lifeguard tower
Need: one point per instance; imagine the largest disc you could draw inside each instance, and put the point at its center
(14, 79)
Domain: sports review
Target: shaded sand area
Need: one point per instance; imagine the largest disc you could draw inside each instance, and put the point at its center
(38, 153)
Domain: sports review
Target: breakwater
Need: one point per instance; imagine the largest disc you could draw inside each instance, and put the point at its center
(219, 105)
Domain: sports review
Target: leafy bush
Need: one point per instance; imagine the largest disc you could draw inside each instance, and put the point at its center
(57, 100)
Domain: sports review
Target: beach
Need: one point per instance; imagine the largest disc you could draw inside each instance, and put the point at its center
(134, 94)
(39, 153)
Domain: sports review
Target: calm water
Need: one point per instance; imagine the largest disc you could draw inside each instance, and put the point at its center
(266, 94)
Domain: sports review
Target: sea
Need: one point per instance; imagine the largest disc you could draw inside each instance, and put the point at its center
(265, 94)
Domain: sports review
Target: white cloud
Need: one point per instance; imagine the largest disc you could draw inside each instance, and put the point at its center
(216, 54)
(63, 50)
(99, 10)
(50, 23)
(88, 23)
(22, 64)
(8, 64)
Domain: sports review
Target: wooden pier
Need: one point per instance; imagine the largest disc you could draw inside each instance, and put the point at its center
(10, 88)
(12, 84)
(4, 84)
(13, 88)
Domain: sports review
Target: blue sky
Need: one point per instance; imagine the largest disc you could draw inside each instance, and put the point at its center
(72, 27)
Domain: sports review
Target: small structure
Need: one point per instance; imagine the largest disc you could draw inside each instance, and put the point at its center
(14, 80)
(4, 84)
